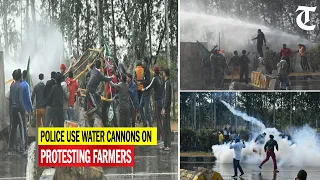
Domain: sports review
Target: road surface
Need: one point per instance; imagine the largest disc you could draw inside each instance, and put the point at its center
(252, 172)
(150, 163)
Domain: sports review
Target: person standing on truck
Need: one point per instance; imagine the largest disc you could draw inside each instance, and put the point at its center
(235, 64)
(303, 57)
(237, 146)
(282, 68)
(244, 66)
(260, 39)
(269, 149)
(285, 54)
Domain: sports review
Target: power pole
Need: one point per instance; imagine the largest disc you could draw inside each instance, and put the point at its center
(194, 112)
(290, 111)
(167, 29)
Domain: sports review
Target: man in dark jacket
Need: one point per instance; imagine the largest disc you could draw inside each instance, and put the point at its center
(234, 64)
(38, 93)
(260, 39)
(157, 85)
(144, 106)
(244, 66)
(56, 100)
(18, 113)
(269, 149)
(47, 90)
(166, 110)
(93, 99)
(124, 101)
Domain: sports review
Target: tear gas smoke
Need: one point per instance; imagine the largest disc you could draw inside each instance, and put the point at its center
(45, 50)
(303, 150)
(235, 34)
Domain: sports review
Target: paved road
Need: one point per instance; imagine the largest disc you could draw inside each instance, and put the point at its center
(252, 172)
(150, 163)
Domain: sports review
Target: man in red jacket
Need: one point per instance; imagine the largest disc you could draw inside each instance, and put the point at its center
(73, 90)
(285, 54)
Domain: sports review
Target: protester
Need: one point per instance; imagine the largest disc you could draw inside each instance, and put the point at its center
(93, 99)
(134, 97)
(56, 99)
(282, 68)
(139, 71)
(110, 93)
(235, 64)
(157, 85)
(269, 60)
(124, 101)
(285, 54)
(66, 96)
(26, 95)
(220, 135)
(73, 90)
(244, 66)
(166, 109)
(18, 113)
(303, 57)
(144, 106)
(225, 134)
(49, 112)
(219, 64)
(237, 146)
(38, 93)
(302, 175)
(269, 149)
(259, 140)
(63, 68)
(260, 39)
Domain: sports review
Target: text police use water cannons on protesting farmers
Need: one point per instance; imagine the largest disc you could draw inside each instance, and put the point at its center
(94, 136)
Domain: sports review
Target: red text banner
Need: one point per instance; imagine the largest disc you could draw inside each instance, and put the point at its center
(85, 155)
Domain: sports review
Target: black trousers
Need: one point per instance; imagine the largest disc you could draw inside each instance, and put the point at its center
(57, 119)
(244, 71)
(259, 48)
(139, 95)
(158, 108)
(236, 166)
(124, 118)
(167, 129)
(18, 118)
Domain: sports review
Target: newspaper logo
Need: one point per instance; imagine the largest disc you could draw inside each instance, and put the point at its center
(306, 11)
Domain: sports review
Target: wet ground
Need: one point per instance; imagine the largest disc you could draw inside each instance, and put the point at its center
(150, 163)
(252, 172)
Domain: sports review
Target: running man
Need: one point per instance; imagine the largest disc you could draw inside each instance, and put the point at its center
(269, 148)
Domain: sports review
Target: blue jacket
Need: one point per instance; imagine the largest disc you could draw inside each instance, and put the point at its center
(26, 96)
(134, 94)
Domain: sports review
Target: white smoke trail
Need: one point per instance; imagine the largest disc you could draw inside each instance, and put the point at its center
(244, 116)
(304, 151)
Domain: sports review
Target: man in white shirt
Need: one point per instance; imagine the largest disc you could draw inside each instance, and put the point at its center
(237, 146)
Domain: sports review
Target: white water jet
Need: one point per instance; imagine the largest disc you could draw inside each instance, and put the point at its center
(235, 34)
(304, 151)
(244, 116)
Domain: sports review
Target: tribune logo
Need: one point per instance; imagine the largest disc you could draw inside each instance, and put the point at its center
(306, 10)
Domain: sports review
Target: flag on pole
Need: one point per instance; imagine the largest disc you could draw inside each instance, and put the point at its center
(106, 49)
(28, 72)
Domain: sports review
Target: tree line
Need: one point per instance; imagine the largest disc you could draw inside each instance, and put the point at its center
(275, 109)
